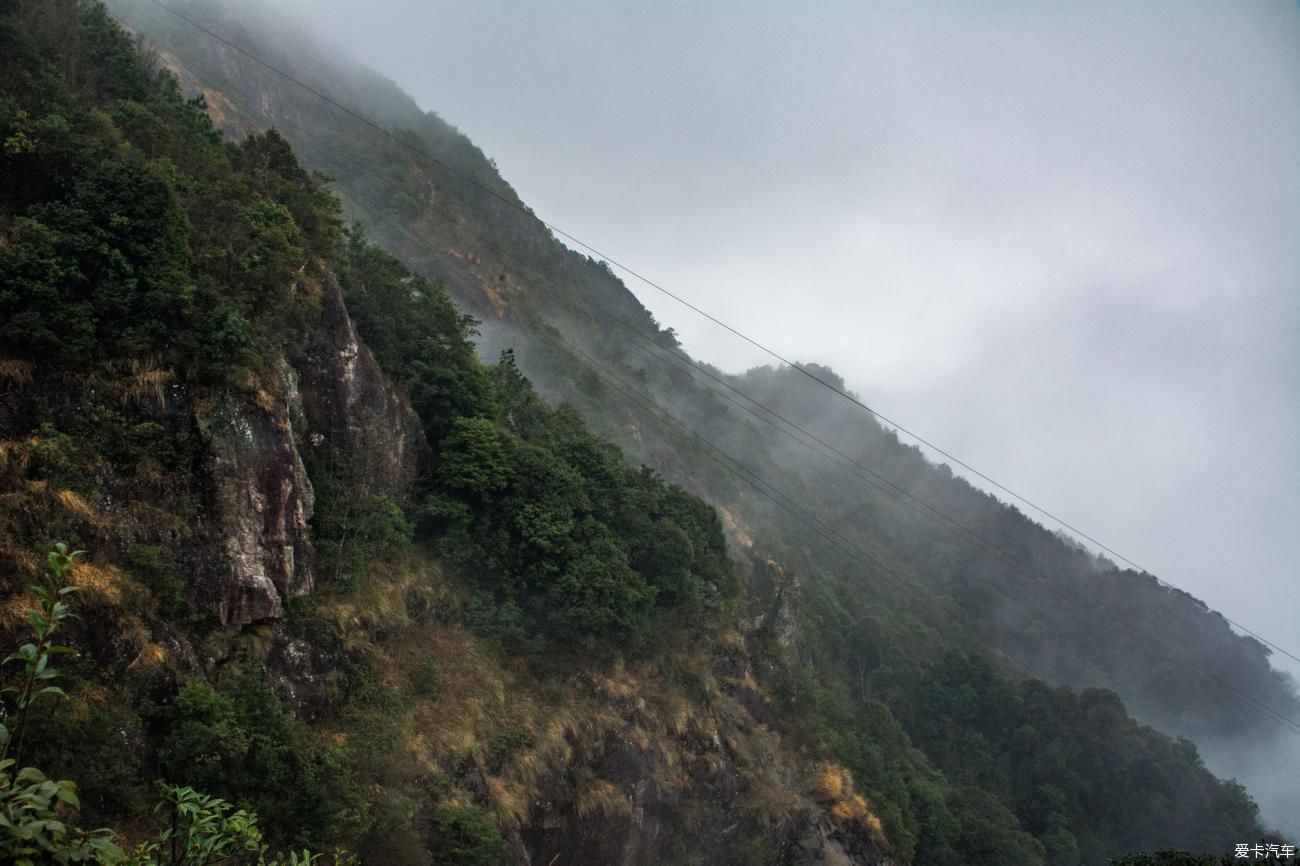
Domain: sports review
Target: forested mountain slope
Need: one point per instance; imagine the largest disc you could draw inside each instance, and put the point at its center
(345, 573)
(1046, 603)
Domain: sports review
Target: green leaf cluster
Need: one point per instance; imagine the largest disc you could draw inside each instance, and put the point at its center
(33, 825)
(36, 674)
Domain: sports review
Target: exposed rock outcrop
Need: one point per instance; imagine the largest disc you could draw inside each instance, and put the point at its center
(774, 600)
(718, 784)
(334, 402)
(253, 550)
(351, 407)
(260, 502)
(302, 672)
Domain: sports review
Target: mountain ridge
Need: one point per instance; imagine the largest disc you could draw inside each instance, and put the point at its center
(519, 279)
(383, 598)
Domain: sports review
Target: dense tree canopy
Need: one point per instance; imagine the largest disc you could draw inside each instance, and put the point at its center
(567, 541)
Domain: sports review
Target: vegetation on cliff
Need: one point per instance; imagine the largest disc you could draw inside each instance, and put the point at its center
(526, 642)
(998, 577)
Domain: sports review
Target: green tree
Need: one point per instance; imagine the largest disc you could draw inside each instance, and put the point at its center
(464, 836)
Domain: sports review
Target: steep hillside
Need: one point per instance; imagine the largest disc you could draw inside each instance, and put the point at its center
(994, 572)
(407, 608)
(345, 573)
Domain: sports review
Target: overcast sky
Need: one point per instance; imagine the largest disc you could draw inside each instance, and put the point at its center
(1061, 241)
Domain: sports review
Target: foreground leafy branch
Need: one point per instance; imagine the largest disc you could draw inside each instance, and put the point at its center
(35, 655)
(36, 811)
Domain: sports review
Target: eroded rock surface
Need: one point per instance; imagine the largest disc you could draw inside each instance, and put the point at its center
(260, 501)
(352, 408)
(333, 403)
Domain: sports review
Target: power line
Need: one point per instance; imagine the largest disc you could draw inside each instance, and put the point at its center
(849, 546)
(773, 494)
(824, 529)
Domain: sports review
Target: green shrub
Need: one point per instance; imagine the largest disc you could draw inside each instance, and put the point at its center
(351, 528)
(427, 678)
(237, 740)
(504, 743)
(464, 836)
(148, 562)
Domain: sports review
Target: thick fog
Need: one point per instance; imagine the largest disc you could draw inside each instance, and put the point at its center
(1060, 240)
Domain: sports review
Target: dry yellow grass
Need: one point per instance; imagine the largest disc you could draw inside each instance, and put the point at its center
(264, 400)
(16, 371)
(617, 686)
(601, 797)
(145, 382)
(13, 611)
(380, 604)
(832, 786)
(103, 583)
(151, 657)
(73, 503)
(828, 785)
(509, 801)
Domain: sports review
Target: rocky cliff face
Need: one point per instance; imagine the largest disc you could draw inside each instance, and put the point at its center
(683, 762)
(332, 400)
(260, 503)
(716, 782)
(349, 406)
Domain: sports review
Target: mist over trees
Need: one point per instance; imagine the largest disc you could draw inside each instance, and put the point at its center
(565, 596)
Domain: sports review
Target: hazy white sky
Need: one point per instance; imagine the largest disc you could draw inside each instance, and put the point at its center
(1062, 241)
